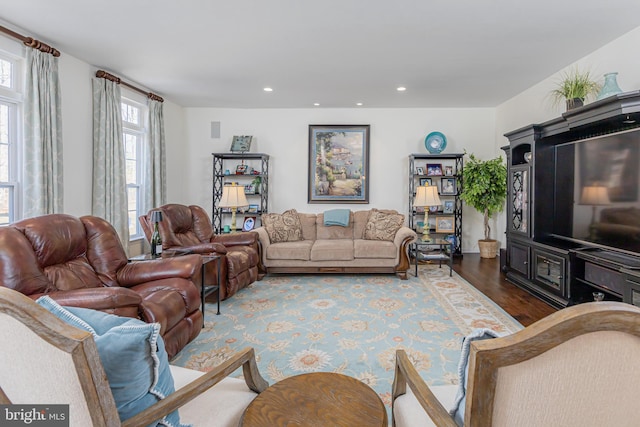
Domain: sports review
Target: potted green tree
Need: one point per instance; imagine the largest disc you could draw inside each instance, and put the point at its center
(574, 88)
(484, 187)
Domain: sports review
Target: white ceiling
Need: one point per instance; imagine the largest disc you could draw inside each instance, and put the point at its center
(222, 53)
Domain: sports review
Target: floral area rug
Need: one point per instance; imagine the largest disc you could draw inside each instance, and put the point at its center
(349, 324)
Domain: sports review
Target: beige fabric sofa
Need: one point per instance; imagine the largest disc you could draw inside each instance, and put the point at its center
(337, 249)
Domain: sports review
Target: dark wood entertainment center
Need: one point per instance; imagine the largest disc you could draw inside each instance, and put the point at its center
(561, 271)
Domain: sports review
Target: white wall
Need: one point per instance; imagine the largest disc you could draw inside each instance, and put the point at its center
(283, 134)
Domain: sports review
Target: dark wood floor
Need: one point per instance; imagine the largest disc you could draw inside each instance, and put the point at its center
(485, 275)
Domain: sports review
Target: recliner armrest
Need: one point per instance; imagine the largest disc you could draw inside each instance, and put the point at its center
(248, 238)
(135, 273)
(121, 301)
(202, 248)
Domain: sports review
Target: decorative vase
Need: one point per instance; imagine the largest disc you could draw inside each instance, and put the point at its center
(574, 103)
(610, 86)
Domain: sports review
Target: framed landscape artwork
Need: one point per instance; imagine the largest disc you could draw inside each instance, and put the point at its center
(338, 164)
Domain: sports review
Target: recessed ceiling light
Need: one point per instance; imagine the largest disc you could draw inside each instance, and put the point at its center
(268, 89)
(359, 104)
(316, 104)
(401, 89)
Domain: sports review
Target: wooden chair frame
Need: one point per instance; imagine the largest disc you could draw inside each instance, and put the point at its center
(82, 348)
(486, 357)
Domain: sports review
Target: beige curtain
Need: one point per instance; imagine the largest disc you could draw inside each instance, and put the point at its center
(109, 175)
(42, 179)
(156, 193)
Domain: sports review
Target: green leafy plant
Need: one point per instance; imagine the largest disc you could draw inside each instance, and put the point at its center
(575, 84)
(484, 187)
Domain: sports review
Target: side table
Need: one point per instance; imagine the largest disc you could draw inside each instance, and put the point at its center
(424, 251)
(205, 291)
(317, 399)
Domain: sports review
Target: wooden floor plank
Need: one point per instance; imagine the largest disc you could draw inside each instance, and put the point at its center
(485, 275)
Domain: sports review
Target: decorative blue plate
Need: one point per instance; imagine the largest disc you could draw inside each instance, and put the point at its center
(435, 142)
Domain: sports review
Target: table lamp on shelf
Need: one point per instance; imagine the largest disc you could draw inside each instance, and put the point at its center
(426, 196)
(594, 195)
(233, 197)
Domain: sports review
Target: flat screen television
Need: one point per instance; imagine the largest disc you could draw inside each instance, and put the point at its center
(605, 207)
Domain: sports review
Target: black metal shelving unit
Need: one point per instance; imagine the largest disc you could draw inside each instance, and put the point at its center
(225, 161)
(455, 160)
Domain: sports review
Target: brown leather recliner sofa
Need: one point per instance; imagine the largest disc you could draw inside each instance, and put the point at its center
(80, 262)
(188, 228)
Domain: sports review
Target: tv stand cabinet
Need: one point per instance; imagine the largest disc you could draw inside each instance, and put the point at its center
(558, 271)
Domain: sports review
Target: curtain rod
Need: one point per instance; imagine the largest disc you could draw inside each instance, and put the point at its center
(31, 42)
(104, 75)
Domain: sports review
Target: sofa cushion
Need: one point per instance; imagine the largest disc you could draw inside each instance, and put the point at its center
(329, 232)
(332, 250)
(284, 227)
(132, 354)
(290, 250)
(374, 249)
(308, 222)
(360, 219)
(383, 225)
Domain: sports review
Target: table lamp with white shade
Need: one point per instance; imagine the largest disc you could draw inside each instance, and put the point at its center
(426, 196)
(233, 197)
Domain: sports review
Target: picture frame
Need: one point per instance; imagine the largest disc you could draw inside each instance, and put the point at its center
(434, 169)
(448, 186)
(241, 143)
(342, 176)
(419, 170)
(425, 181)
(448, 206)
(420, 209)
(241, 169)
(250, 189)
(445, 224)
(249, 223)
(252, 209)
(433, 209)
(448, 170)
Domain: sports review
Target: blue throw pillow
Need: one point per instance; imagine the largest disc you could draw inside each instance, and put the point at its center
(132, 354)
(457, 412)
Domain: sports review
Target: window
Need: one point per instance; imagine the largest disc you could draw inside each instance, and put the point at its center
(10, 125)
(134, 129)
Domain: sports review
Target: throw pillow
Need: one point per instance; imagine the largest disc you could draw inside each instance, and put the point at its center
(457, 411)
(383, 225)
(284, 227)
(132, 354)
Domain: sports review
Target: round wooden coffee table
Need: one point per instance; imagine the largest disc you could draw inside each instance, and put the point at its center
(316, 399)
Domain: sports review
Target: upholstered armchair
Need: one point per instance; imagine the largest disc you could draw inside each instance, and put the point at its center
(574, 368)
(188, 229)
(80, 262)
(107, 378)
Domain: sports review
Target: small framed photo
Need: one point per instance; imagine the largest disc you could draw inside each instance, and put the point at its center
(419, 170)
(448, 171)
(425, 181)
(445, 224)
(249, 223)
(241, 169)
(250, 189)
(448, 206)
(448, 186)
(433, 209)
(420, 209)
(253, 209)
(434, 169)
(241, 144)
